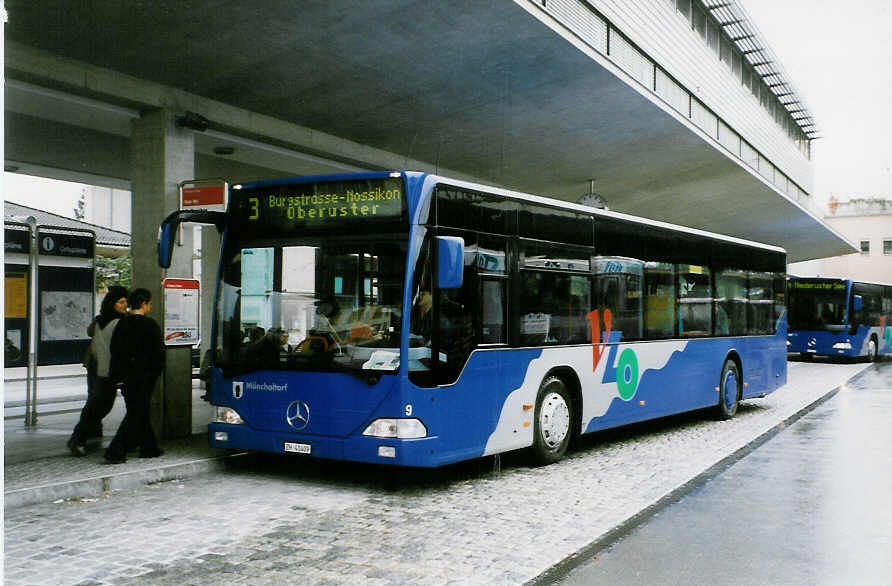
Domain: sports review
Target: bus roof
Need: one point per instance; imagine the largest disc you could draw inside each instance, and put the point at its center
(599, 212)
(517, 195)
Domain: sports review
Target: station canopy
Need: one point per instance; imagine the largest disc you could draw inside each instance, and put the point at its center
(479, 90)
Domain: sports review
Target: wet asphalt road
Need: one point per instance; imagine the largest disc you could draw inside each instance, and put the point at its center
(813, 505)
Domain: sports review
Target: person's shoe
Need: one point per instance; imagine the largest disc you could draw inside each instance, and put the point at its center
(76, 449)
(154, 454)
(114, 458)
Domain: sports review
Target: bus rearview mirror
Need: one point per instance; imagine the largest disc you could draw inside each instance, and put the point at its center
(168, 231)
(857, 302)
(166, 235)
(450, 262)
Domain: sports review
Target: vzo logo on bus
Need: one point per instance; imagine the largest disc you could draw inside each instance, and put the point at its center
(627, 366)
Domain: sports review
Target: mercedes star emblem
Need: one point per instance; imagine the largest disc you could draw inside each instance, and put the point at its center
(298, 415)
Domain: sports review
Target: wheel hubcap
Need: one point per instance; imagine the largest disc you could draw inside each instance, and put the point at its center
(730, 389)
(554, 420)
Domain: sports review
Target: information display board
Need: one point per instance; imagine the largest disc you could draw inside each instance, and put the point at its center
(65, 310)
(182, 310)
(65, 294)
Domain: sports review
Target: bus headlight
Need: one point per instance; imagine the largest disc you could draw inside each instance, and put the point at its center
(398, 428)
(227, 415)
(843, 345)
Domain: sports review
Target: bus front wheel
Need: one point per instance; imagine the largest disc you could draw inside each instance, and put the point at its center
(553, 417)
(729, 390)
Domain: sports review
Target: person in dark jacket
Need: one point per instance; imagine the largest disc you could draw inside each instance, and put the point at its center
(138, 358)
(101, 388)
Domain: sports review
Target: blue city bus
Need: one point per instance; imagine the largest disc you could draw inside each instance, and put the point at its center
(839, 317)
(410, 319)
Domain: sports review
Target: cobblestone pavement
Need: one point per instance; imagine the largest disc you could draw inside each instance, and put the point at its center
(271, 520)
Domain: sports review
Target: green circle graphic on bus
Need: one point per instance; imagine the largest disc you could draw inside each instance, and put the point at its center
(627, 374)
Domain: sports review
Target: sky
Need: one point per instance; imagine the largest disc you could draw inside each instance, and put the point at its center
(837, 55)
(50, 195)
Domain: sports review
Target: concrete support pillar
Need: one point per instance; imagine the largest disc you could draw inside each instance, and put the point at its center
(210, 257)
(162, 155)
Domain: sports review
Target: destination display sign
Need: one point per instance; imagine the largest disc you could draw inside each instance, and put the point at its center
(819, 285)
(290, 209)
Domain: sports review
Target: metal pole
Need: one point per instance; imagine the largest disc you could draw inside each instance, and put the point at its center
(31, 383)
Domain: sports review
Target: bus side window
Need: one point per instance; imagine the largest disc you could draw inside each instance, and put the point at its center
(607, 293)
(694, 301)
(420, 326)
(730, 303)
(887, 306)
(760, 298)
(872, 304)
(492, 293)
(617, 287)
(492, 270)
(535, 319)
(579, 329)
(630, 316)
(456, 331)
(459, 315)
(659, 300)
(546, 309)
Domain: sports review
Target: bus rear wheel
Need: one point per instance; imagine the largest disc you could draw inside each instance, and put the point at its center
(872, 350)
(729, 391)
(552, 423)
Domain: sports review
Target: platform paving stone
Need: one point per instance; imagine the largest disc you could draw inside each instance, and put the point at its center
(282, 524)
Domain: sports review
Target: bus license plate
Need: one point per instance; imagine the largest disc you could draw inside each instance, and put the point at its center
(297, 448)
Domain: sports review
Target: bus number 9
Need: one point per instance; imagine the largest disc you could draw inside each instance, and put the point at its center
(409, 410)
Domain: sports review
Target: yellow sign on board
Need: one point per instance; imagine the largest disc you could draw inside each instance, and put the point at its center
(16, 291)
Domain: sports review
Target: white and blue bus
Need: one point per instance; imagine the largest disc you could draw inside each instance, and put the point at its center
(415, 320)
(839, 317)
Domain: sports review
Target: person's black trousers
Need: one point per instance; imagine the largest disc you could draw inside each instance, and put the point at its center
(101, 393)
(136, 428)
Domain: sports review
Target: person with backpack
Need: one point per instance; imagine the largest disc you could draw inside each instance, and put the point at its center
(101, 388)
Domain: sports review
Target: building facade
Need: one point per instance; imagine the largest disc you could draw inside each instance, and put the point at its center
(707, 60)
(108, 207)
(866, 221)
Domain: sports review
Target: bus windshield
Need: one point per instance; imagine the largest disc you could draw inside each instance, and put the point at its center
(817, 306)
(320, 304)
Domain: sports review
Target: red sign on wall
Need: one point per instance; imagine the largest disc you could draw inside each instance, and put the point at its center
(203, 195)
(182, 311)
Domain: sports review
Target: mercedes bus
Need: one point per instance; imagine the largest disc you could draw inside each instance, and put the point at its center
(411, 319)
(839, 317)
